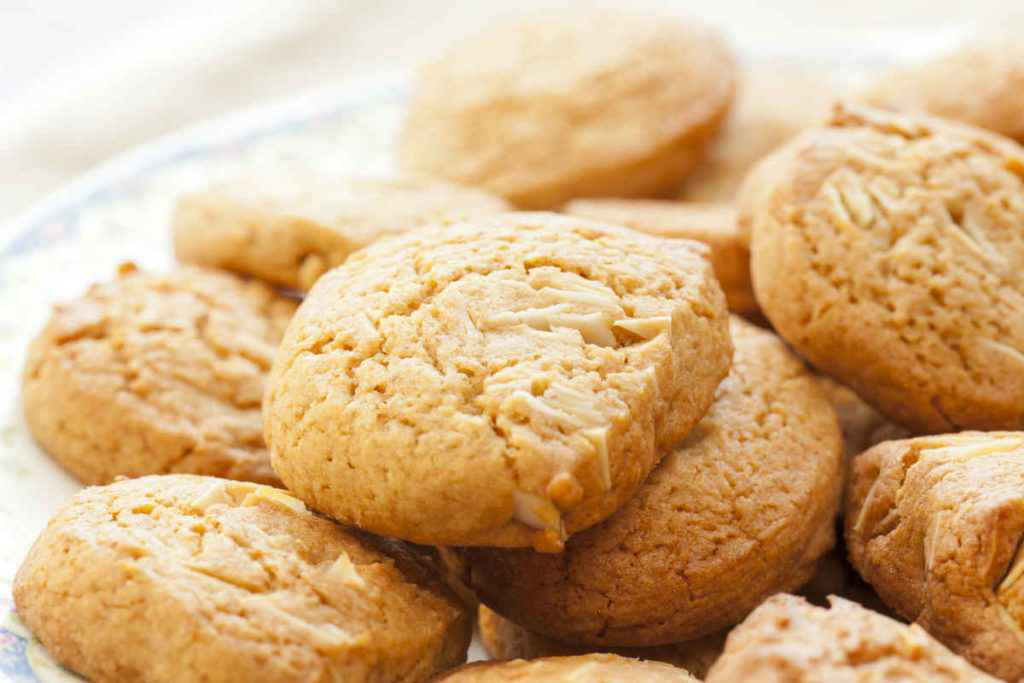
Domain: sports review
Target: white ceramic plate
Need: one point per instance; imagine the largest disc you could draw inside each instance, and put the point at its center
(120, 212)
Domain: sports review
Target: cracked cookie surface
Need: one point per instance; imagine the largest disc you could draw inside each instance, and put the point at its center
(571, 104)
(740, 509)
(713, 224)
(291, 229)
(599, 668)
(150, 374)
(935, 524)
(981, 84)
(887, 250)
(187, 578)
(503, 639)
(501, 382)
(788, 640)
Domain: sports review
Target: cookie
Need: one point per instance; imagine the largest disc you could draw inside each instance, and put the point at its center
(789, 640)
(572, 104)
(503, 639)
(183, 577)
(150, 374)
(504, 382)
(981, 83)
(935, 524)
(603, 668)
(862, 425)
(887, 250)
(774, 103)
(742, 508)
(713, 224)
(291, 229)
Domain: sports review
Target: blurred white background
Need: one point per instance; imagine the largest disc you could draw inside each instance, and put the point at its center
(83, 81)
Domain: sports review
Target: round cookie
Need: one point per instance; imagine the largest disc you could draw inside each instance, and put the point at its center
(774, 103)
(151, 374)
(935, 524)
(182, 577)
(502, 382)
(713, 224)
(981, 83)
(742, 508)
(503, 639)
(599, 668)
(789, 640)
(291, 229)
(571, 104)
(861, 424)
(887, 250)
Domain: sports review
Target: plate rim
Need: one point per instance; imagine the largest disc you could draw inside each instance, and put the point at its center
(201, 138)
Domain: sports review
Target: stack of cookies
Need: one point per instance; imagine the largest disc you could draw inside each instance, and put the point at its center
(621, 430)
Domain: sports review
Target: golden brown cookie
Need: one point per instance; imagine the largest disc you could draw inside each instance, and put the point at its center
(713, 224)
(505, 382)
(774, 103)
(862, 425)
(503, 639)
(602, 668)
(742, 508)
(188, 578)
(887, 250)
(571, 105)
(151, 374)
(935, 525)
(788, 640)
(291, 229)
(981, 83)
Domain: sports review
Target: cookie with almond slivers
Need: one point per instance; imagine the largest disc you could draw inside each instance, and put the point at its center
(190, 578)
(501, 382)
(887, 249)
(157, 373)
(742, 508)
(934, 524)
(788, 640)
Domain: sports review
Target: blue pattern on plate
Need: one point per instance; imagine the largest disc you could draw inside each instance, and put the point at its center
(58, 221)
(14, 665)
(61, 222)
